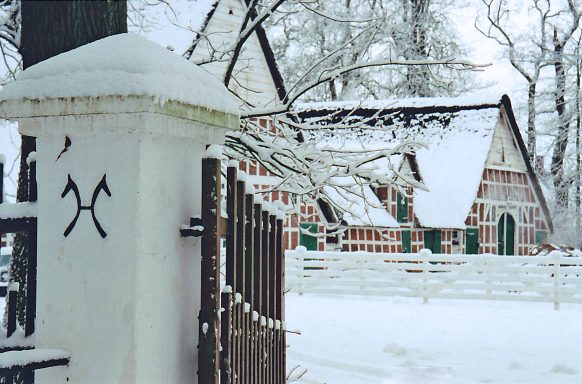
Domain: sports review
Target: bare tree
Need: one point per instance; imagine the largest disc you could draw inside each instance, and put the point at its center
(369, 30)
(559, 41)
(527, 54)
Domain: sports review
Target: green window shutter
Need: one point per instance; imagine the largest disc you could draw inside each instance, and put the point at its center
(401, 208)
(406, 243)
(541, 237)
(432, 240)
(472, 241)
(309, 242)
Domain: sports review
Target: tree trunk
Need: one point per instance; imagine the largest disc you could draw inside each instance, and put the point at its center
(531, 121)
(557, 169)
(48, 29)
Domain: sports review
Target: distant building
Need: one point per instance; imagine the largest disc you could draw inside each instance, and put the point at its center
(482, 195)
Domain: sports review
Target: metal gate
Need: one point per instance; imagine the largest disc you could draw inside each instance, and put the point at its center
(242, 329)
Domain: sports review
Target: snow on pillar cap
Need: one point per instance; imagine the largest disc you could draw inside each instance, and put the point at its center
(2, 159)
(215, 151)
(121, 65)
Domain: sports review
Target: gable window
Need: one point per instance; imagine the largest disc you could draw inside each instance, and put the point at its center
(401, 208)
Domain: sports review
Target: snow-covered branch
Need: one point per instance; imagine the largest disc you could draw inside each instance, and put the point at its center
(329, 75)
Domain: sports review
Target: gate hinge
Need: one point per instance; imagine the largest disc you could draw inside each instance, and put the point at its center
(194, 229)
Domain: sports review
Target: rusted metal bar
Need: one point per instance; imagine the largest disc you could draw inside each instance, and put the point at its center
(240, 277)
(265, 271)
(273, 274)
(226, 338)
(231, 209)
(249, 277)
(209, 355)
(257, 276)
(280, 310)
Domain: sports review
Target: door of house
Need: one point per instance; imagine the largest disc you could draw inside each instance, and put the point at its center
(472, 241)
(506, 235)
(406, 243)
(432, 240)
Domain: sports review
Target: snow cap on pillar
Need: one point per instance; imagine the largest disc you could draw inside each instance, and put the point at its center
(126, 72)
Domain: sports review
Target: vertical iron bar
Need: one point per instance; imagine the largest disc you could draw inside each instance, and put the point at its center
(265, 294)
(280, 311)
(272, 290)
(12, 293)
(209, 357)
(249, 277)
(231, 209)
(31, 279)
(257, 252)
(32, 185)
(226, 338)
(240, 276)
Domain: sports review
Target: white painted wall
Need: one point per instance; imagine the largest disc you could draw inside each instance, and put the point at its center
(124, 306)
(253, 79)
(504, 152)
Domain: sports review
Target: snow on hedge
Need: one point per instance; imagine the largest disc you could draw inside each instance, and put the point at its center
(123, 65)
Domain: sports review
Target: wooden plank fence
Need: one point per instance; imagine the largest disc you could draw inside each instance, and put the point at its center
(242, 333)
(554, 278)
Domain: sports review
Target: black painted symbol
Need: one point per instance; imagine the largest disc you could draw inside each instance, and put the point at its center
(71, 185)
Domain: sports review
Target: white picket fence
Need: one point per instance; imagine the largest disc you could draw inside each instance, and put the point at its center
(552, 278)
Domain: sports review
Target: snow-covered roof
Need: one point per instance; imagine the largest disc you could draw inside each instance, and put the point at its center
(457, 135)
(394, 104)
(360, 205)
(121, 65)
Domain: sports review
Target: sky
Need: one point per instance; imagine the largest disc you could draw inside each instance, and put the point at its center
(499, 76)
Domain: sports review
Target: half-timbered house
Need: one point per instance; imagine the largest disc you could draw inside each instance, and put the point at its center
(479, 191)
(482, 194)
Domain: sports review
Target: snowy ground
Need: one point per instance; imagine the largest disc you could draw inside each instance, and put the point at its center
(357, 340)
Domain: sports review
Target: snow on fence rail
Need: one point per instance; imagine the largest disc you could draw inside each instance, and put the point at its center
(552, 278)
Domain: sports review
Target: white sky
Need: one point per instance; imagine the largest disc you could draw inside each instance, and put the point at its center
(500, 77)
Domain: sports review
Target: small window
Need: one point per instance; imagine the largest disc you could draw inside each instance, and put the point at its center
(541, 237)
(401, 208)
(306, 240)
(456, 238)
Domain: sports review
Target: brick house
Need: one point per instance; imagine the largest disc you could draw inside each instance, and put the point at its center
(484, 199)
(483, 195)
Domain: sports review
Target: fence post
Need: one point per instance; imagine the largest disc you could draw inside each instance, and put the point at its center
(300, 261)
(556, 255)
(487, 270)
(209, 355)
(425, 255)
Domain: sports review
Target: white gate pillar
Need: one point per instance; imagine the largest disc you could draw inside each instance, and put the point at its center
(124, 124)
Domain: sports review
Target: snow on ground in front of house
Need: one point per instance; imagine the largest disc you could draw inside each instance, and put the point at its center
(355, 340)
